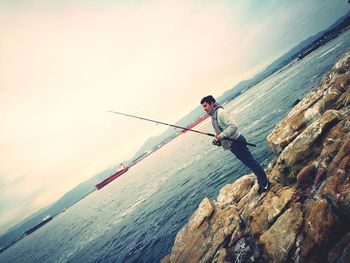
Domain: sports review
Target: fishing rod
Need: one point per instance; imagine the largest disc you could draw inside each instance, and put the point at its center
(176, 126)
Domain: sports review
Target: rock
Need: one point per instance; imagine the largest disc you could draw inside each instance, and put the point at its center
(321, 174)
(332, 141)
(337, 186)
(321, 229)
(246, 250)
(302, 149)
(207, 231)
(319, 223)
(221, 256)
(312, 192)
(280, 238)
(204, 210)
(165, 259)
(305, 177)
(341, 154)
(272, 206)
(296, 102)
(343, 64)
(233, 193)
(344, 99)
(253, 201)
(331, 93)
(248, 203)
(341, 251)
(296, 198)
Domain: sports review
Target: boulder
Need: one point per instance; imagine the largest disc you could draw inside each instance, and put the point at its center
(266, 213)
(331, 93)
(303, 149)
(337, 186)
(280, 238)
(207, 231)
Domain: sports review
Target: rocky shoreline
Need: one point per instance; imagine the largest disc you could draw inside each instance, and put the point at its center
(305, 215)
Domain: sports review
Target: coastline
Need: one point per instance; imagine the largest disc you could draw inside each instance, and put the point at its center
(303, 217)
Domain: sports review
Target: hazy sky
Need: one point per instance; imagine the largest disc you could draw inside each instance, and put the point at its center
(63, 64)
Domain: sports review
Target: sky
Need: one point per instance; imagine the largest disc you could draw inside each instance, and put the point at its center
(64, 64)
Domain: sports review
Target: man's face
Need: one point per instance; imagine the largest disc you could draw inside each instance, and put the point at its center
(207, 107)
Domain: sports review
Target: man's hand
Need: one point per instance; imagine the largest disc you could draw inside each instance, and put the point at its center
(218, 137)
(216, 142)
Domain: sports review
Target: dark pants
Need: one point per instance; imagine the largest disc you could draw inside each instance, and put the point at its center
(244, 155)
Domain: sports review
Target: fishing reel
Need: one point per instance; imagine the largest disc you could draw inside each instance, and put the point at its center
(216, 142)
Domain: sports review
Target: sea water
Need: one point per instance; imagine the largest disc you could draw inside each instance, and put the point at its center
(136, 217)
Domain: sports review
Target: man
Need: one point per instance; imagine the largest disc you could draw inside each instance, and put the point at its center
(225, 127)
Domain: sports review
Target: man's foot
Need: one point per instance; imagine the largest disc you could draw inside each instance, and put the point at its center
(264, 188)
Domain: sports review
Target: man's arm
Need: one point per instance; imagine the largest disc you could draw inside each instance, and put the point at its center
(228, 120)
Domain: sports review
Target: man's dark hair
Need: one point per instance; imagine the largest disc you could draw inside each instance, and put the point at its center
(208, 99)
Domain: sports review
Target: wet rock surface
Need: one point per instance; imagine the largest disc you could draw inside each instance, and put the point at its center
(304, 217)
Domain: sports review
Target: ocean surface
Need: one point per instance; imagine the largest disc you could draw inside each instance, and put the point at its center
(136, 217)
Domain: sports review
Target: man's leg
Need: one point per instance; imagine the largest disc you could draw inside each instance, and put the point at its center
(241, 151)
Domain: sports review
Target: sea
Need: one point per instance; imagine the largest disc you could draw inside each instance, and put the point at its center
(137, 216)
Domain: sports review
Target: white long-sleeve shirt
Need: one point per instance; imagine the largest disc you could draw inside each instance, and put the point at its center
(228, 124)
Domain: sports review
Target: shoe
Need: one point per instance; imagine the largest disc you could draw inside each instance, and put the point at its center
(264, 188)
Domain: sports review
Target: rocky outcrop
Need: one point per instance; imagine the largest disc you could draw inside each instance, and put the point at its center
(304, 217)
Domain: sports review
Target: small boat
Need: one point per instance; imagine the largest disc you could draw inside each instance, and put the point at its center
(45, 220)
(112, 177)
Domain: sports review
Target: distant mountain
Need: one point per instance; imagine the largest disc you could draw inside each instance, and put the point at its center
(67, 200)
(282, 61)
(149, 144)
(153, 142)
(339, 27)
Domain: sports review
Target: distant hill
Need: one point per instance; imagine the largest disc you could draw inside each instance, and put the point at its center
(284, 60)
(153, 142)
(149, 144)
(67, 200)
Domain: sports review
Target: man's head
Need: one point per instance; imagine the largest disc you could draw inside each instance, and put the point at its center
(208, 103)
